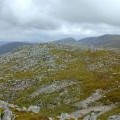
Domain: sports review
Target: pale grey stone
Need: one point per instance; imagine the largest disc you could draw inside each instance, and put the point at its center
(7, 115)
(114, 117)
(34, 109)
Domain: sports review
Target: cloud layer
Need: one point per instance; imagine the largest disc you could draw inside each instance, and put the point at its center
(54, 19)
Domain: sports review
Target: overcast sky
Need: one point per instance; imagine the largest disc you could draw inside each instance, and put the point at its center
(45, 20)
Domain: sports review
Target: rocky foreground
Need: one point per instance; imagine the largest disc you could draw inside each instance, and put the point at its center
(55, 81)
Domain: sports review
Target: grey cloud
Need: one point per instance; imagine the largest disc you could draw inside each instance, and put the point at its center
(89, 11)
(54, 19)
(27, 14)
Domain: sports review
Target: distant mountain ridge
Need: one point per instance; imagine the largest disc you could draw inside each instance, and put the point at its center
(9, 47)
(3, 42)
(112, 41)
(68, 40)
(104, 41)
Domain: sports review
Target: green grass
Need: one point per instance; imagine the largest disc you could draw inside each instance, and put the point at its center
(28, 116)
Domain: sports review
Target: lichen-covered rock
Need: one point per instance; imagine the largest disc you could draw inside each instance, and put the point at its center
(7, 115)
(55, 86)
(24, 109)
(92, 116)
(3, 104)
(114, 117)
(64, 116)
(34, 109)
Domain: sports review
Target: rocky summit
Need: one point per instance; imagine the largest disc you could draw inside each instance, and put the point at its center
(53, 81)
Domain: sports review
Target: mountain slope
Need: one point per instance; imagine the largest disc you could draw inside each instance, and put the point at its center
(3, 42)
(61, 79)
(66, 41)
(108, 41)
(105, 41)
(9, 47)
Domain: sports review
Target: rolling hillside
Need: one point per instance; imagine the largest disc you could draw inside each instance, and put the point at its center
(61, 79)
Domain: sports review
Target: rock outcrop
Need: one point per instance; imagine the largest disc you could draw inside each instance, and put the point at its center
(34, 109)
(114, 117)
(7, 115)
(91, 116)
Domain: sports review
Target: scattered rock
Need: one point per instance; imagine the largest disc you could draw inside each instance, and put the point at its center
(34, 109)
(50, 118)
(64, 116)
(97, 109)
(94, 97)
(24, 109)
(3, 104)
(55, 86)
(114, 117)
(7, 115)
(92, 116)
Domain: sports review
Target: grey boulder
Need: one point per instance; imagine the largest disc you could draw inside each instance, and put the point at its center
(114, 117)
(7, 115)
(34, 109)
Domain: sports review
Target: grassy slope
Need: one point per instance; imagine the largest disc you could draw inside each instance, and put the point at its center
(77, 66)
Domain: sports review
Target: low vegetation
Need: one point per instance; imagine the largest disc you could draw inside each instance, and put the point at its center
(29, 69)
